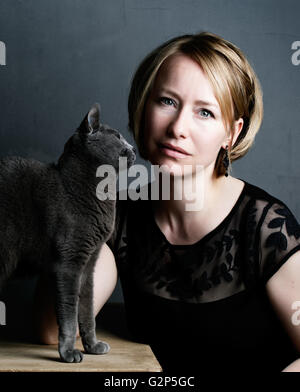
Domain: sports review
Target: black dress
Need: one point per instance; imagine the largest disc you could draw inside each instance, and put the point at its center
(203, 307)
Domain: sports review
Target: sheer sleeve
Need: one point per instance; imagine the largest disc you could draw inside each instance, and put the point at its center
(279, 238)
(118, 240)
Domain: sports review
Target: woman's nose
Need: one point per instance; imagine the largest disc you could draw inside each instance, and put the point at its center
(179, 125)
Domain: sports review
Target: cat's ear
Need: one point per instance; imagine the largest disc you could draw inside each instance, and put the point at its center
(91, 122)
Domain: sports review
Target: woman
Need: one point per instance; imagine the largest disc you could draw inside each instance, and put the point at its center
(210, 288)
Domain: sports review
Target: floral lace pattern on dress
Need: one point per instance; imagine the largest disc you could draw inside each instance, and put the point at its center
(246, 249)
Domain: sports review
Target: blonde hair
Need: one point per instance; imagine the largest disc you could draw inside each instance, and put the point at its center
(234, 82)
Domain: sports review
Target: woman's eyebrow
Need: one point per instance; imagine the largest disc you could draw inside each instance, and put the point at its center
(198, 102)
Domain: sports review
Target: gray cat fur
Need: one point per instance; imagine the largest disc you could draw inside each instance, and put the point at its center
(51, 221)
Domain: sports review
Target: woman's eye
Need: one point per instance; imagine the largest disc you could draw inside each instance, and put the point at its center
(205, 113)
(167, 101)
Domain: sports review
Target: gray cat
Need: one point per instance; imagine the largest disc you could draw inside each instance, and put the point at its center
(51, 220)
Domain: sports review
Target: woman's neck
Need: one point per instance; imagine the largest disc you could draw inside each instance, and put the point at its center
(195, 206)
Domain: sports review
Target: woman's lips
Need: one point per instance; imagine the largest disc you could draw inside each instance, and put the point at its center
(169, 151)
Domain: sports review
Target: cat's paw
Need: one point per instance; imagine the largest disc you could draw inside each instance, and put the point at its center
(98, 348)
(71, 356)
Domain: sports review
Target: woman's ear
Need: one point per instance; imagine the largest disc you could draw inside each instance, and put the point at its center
(237, 127)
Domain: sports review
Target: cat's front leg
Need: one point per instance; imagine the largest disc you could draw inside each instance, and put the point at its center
(67, 282)
(87, 325)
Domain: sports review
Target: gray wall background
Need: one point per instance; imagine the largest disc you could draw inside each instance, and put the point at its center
(63, 55)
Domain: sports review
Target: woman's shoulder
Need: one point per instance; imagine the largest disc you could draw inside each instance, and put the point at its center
(259, 193)
(275, 228)
(265, 201)
(270, 211)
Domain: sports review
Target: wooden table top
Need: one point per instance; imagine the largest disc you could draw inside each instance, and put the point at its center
(124, 355)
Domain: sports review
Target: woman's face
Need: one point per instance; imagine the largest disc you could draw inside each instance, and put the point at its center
(182, 111)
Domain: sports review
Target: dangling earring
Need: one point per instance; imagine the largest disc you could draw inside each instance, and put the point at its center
(226, 161)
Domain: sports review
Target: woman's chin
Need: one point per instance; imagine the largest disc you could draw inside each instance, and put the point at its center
(171, 168)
